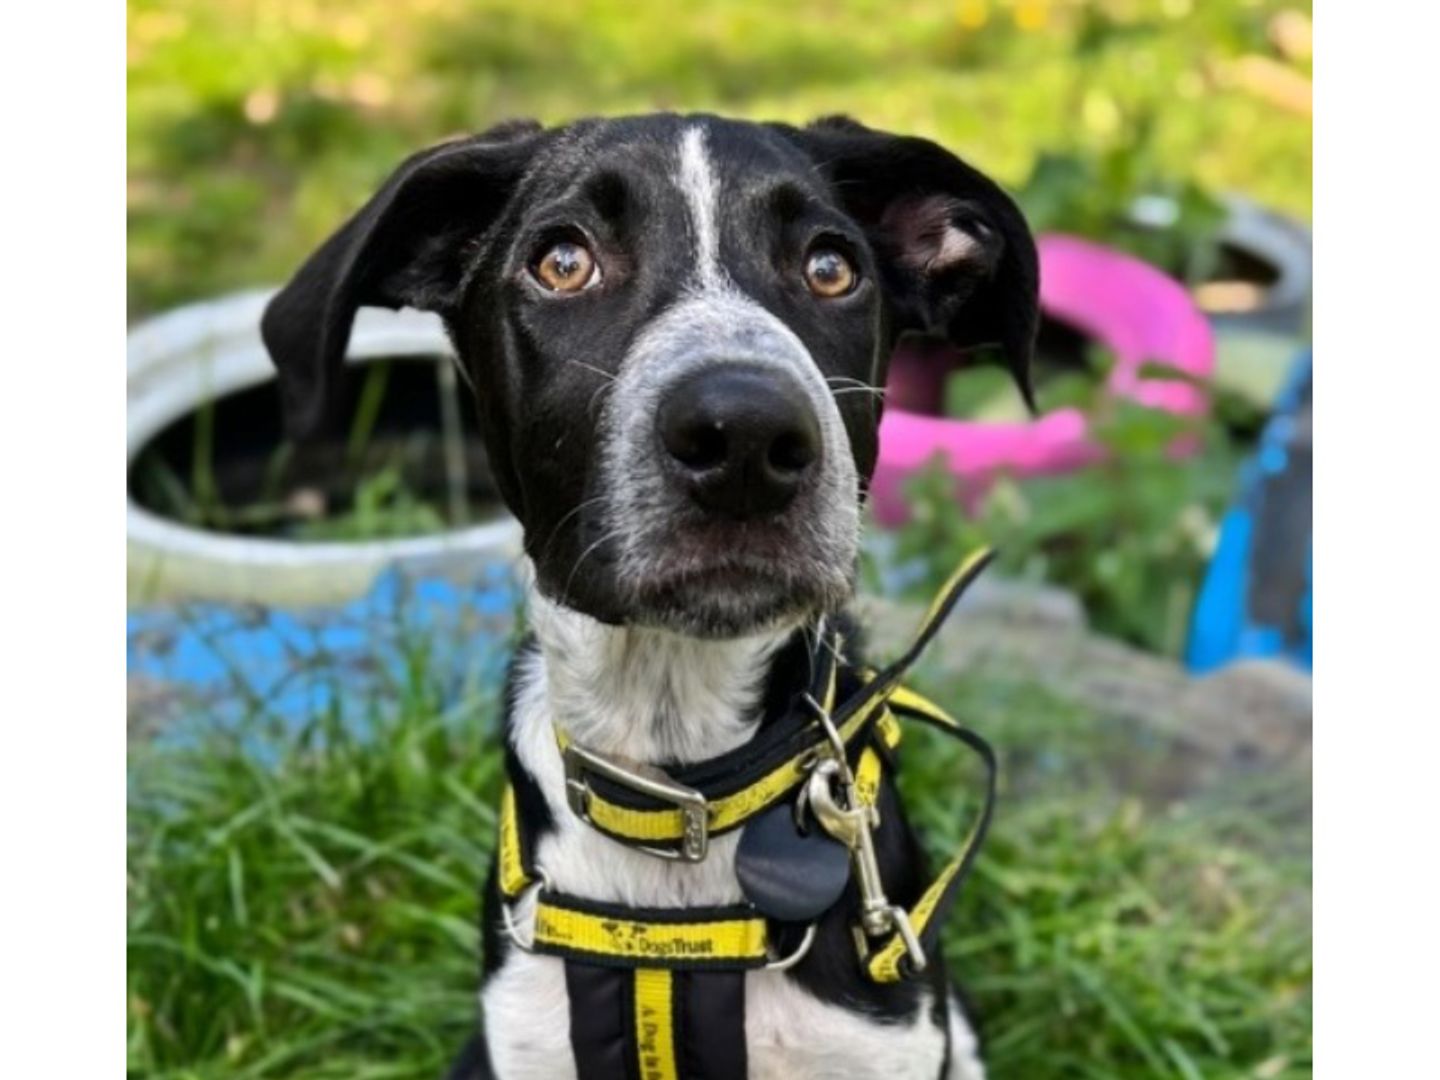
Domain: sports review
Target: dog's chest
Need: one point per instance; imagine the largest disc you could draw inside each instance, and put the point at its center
(789, 1033)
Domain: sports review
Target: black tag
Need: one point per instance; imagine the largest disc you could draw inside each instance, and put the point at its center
(789, 875)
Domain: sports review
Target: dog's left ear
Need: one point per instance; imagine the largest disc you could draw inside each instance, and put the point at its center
(406, 247)
(956, 256)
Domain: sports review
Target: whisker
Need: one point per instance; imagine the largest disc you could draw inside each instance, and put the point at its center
(847, 381)
(601, 389)
(577, 508)
(591, 367)
(583, 556)
(464, 374)
(829, 645)
(608, 384)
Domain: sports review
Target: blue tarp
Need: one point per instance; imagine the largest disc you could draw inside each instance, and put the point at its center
(217, 663)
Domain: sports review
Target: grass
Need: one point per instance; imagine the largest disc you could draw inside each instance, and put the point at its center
(256, 127)
(313, 915)
(316, 916)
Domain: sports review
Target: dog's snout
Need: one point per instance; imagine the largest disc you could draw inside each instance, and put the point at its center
(742, 438)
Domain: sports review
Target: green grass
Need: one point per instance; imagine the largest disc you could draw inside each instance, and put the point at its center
(315, 917)
(255, 128)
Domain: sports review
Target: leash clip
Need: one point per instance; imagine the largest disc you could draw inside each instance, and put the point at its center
(644, 780)
(853, 824)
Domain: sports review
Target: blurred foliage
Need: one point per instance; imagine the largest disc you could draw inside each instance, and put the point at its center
(256, 126)
(1106, 196)
(1130, 534)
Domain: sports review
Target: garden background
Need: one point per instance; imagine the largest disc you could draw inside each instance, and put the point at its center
(303, 895)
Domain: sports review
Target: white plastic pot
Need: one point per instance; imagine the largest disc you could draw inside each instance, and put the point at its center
(182, 359)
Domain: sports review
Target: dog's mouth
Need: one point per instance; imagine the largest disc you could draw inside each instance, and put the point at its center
(730, 488)
(724, 579)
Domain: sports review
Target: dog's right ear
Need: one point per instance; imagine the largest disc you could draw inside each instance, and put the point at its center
(406, 247)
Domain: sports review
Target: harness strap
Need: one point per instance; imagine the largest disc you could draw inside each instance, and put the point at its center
(735, 938)
(656, 1024)
(517, 869)
(685, 939)
(736, 786)
(637, 977)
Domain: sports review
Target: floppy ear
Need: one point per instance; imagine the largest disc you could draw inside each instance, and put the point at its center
(956, 256)
(404, 248)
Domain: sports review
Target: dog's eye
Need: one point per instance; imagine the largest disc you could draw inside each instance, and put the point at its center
(829, 274)
(566, 267)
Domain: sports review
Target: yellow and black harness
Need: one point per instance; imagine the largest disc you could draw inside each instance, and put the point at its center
(678, 975)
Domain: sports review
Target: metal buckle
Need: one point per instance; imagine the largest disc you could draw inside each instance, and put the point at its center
(644, 780)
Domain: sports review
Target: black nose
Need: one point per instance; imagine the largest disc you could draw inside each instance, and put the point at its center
(742, 438)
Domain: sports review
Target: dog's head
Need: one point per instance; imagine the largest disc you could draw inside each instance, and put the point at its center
(677, 328)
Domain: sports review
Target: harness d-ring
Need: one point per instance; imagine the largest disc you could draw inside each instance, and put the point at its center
(785, 963)
(507, 915)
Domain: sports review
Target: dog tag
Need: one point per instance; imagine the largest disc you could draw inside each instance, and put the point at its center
(789, 875)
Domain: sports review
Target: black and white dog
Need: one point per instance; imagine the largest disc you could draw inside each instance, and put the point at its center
(676, 327)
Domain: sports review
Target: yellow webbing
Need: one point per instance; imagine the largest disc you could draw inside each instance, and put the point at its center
(655, 1024)
(652, 826)
(965, 569)
(884, 965)
(668, 824)
(871, 765)
(513, 876)
(662, 942)
(908, 700)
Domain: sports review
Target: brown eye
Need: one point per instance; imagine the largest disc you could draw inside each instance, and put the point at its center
(828, 273)
(566, 267)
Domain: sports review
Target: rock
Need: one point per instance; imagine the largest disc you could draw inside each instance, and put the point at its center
(1247, 717)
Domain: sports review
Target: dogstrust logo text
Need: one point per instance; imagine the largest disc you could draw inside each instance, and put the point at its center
(631, 939)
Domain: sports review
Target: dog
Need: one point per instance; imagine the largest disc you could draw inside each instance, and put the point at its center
(677, 328)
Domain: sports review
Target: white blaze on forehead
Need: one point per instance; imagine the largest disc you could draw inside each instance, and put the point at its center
(701, 188)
